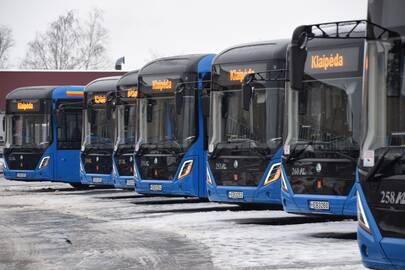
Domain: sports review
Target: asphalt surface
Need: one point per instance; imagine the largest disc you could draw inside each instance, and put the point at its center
(53, 226)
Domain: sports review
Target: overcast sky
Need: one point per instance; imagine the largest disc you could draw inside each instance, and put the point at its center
(141, 30)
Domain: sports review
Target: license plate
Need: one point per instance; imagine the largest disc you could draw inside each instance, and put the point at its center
(97, 180)
(21, 175)
(130, 182)
(155, 187)
(235, 195)
(319, 205)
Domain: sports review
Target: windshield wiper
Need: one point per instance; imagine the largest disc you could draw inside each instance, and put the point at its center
(295, 155)
(372, 174)
(236, 143)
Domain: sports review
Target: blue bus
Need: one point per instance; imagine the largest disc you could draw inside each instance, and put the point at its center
(246, 123)
(322, 139)
(125, 110)
(99, 132)
(381, 170)
(170, 156)
(43, 134)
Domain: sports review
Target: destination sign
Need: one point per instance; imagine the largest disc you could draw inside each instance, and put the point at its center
(132, 93)
(240, 74)
(100, 99)
(24, 106)
(332, 61)
(162, 85)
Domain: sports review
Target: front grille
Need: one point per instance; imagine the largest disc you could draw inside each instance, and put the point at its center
(386, 199)
(97, 162)
(157, 166)
(125, 164)
(238, 170)
(22, 160)
(321, 177)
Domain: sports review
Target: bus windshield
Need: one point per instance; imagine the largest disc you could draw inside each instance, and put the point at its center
(326, 112)
(385, 95)
(262, 124)
(162, 126)
(28, 130)
(126, 125)
(99, 128)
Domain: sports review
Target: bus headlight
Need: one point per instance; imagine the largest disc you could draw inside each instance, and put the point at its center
(274, 174)
(186, 168)
(209, 179)
(361, 215)
(44, 162)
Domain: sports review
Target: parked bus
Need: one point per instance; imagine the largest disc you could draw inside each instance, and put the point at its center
(322, 142)
(381, 172)
(98, 132)
(170, 156)
(43, 134)
(125, 115)
(246, 123)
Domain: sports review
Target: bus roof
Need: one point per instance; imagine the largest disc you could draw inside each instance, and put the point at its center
(129, 79)
(252, 52)
(103, 84)
(41, 92)
(173, 64)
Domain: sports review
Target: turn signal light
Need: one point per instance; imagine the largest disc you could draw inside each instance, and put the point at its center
(274, 174)
(186, 168)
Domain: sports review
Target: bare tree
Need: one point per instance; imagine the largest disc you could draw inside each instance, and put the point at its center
(94, 37)
(6, 43)
(69, 44)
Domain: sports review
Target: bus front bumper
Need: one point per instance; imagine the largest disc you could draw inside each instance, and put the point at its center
(238, 194)
(97, 179)
(28, 175)
(336, 205)
(124, 182)
(164, 187)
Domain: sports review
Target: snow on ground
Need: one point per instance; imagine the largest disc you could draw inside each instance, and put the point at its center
(52, 226)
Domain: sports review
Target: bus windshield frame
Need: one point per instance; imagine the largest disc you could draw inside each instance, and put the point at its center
(326, 112)
(162, 122)
(261, 125)
(98, 124)
(29, 129)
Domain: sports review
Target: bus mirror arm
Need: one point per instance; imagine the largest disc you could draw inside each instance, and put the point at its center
(205, 103)
(247, 91)
(297, 56)
(179, 93)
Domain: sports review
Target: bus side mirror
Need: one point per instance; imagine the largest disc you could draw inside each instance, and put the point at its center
(179, 93)
(4, 124)
(91, 115)
(247, 91)
(297, 57)
(149, 111)
(205, 103)
(394, 71)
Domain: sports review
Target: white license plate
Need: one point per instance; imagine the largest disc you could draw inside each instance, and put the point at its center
(319, 205)
(130, 182)
(97, 180)
(235, 195)
(155, 187)
(21, 175)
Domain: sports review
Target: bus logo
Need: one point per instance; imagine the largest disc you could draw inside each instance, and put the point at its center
(162, 85)
(327, 62)
(132, 93)
(240, 74)
(98, 99)
(24, 106)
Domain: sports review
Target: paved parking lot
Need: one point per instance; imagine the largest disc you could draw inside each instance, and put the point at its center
(53, 226)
